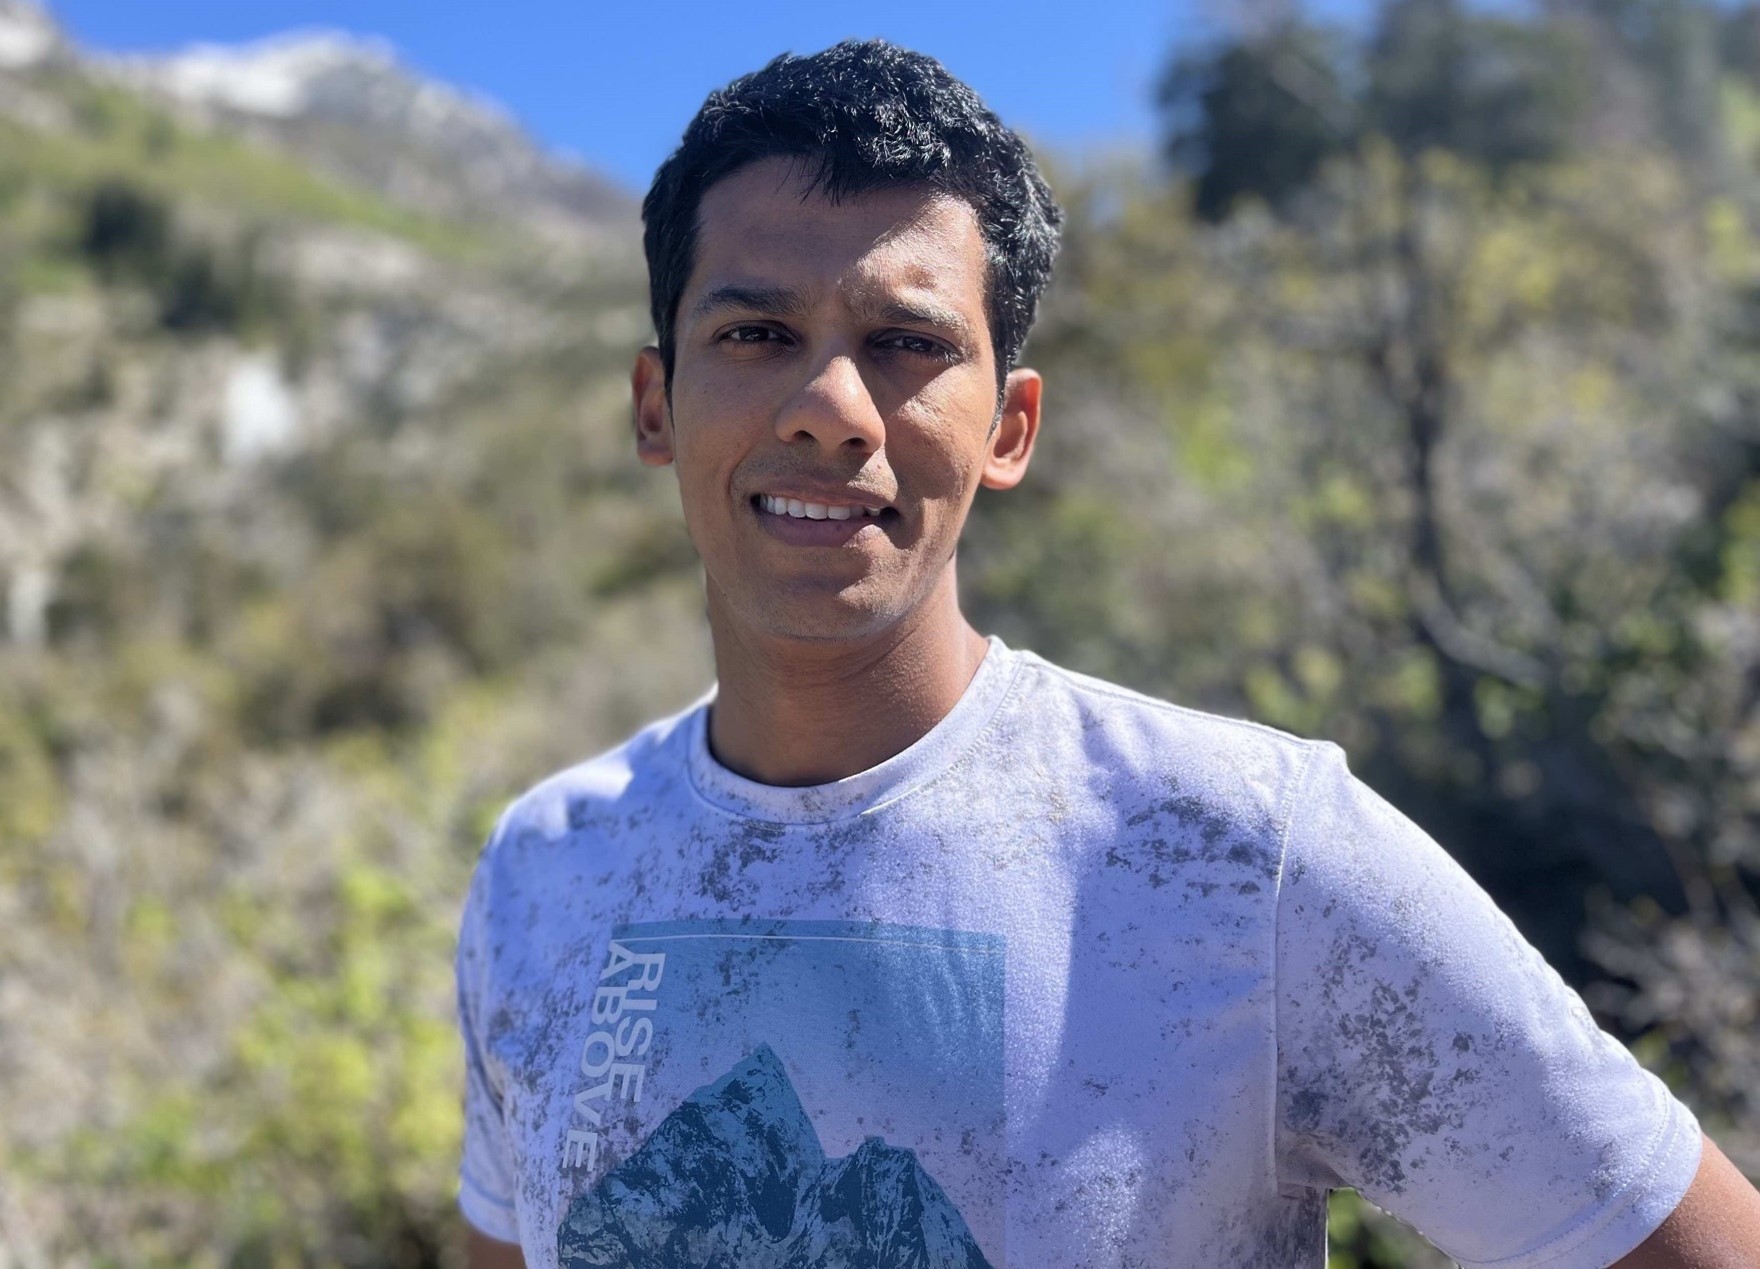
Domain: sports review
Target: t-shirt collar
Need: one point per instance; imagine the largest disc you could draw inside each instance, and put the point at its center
(867, 790)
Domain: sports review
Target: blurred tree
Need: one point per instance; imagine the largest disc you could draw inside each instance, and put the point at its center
(1260, 115)
(1489, 89)
(1658, 65)
(1459, 118)
(1256, 118)
(125, 232)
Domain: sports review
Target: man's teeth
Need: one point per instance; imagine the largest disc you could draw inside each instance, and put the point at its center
(812, 510)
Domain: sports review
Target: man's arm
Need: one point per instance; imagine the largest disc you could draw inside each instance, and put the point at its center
(1715, 1226)
(484, 1252)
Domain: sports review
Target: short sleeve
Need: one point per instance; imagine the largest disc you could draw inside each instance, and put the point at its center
(485, 1191)
(1429, 1058)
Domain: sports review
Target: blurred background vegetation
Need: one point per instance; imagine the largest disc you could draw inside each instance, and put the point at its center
(1410, 399)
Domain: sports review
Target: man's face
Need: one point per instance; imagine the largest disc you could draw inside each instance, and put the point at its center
(832, 401)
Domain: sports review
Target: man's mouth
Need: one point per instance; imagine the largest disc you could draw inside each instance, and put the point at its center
(823, 521)
(801, 509)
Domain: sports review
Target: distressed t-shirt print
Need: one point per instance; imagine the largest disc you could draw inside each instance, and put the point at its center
(783, 1093)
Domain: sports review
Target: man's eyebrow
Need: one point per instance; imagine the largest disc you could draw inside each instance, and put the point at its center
(759, 299)
(916, 312)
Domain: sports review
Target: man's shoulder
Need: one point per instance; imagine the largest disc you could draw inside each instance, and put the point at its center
(568, 800)
(1122, 726)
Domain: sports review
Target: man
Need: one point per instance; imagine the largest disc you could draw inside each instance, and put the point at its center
(905, 948)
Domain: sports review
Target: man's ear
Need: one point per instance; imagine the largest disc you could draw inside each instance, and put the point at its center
(647, 382)
(1017, 427)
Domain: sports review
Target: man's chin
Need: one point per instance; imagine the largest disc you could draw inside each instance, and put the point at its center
(850, 615)
(823, 628)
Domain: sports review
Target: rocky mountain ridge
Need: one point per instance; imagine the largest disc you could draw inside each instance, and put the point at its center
(266, 428)
(196, 283)
(736, 1176)
(28, 35)
(349, 106)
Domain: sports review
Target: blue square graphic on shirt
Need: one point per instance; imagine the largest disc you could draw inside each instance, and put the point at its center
(824, 1093)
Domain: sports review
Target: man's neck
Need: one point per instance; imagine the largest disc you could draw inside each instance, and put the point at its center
(796, 713)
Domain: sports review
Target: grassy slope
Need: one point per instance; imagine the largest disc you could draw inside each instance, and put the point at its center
(121, 135)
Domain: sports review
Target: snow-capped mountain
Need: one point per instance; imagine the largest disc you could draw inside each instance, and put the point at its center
(735, 1176)
(28, 35)
(349, 105)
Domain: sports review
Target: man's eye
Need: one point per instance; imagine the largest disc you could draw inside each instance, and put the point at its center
(919, 344)
(751, 335)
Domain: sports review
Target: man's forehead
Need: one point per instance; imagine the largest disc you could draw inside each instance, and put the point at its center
(765, 226)
(756, 190)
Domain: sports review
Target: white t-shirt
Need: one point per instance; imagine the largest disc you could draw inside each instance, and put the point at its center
(1079, 979)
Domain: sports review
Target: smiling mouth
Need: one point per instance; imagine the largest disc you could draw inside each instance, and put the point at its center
(800, 509)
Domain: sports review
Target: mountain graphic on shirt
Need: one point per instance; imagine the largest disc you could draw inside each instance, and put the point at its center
(735, 1178)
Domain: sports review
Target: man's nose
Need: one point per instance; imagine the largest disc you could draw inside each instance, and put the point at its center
(834, 408)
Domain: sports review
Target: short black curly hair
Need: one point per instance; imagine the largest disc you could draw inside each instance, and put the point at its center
(861, 114)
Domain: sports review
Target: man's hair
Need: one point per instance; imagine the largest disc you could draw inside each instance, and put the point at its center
(861, 115)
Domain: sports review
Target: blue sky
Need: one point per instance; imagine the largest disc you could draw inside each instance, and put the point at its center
(615, 82)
